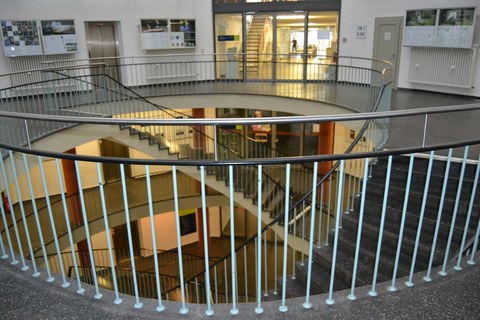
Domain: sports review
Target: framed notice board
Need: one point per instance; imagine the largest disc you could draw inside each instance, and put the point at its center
(448, 27)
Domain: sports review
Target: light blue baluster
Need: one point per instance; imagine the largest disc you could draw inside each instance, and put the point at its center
(7, 233)
(373, 292)
(330, 300)
(233, 310)
(22, 212)
(427, 277)
(52, 223)
(160, 306)
(183, 309)
(352, 295)
(98, 295)
(409, 282)
(307, 304)
(80, 290)
(320, 218)
(14, 220)
(283, 307)
(209, 311)
(259, 309)
(402, 223)
(469, 214)
(443, 272)
(138, 304)
(117, 300)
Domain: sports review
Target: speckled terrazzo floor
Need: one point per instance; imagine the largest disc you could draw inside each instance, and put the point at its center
(455, 296)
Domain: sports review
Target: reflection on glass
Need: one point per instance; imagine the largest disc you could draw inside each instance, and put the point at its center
(290, 46)
(228, 46)
(322, 45)
(258, 55)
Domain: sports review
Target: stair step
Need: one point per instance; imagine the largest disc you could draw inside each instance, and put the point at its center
(320, 279)
(368, 249)
(370, 230)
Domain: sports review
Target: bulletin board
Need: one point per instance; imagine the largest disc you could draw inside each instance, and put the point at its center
(448, 27)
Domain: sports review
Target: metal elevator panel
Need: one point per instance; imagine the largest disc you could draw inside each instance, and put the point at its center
(102, 44)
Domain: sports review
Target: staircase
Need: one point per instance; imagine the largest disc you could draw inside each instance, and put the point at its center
(322, 257)
(254, 37)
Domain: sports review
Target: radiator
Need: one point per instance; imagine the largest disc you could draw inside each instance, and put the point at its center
(24, 63)
(449, 67)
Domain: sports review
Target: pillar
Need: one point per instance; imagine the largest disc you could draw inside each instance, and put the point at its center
(73, 204)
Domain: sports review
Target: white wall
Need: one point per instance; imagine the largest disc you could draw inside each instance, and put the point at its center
(364, 12)
(166, 232)
(128, 12)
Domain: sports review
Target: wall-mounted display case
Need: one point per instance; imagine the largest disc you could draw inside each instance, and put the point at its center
(167, 33)
(33, 37)
(446, 28)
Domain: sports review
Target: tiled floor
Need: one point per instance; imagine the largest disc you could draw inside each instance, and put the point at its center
(455, 296)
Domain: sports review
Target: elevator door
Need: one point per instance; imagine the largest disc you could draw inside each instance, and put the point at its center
(102, 46)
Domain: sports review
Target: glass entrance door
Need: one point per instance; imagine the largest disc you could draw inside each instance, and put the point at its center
(276, 46)
(290, 49)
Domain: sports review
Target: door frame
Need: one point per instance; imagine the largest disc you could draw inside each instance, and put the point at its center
(398, 21)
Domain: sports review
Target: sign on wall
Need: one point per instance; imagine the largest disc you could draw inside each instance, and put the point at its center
(59, 36)
(167, 33)
(32, 37)
(20, 38)
(451, 27)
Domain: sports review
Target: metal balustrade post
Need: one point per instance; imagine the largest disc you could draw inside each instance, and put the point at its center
(373, 292)
(52, 222)
(98, 295)
(80, 290)
(137, 304)
(14, 221)
(160, 306)
(245, 274)
(330, 300)
(117, 300)
(22, 212)
(265, 265)
(409, 283)
(183, 309)
(427, 277)
(352, 295)
(259, 309)
(443, 272)
(303, 232)
(283, 307)
(209, 311)
(294, 257)
(215, 282)
(275, 267)
(320, 218)
(7, 233)
(469, 214)
(329, 210)
(307, 304)
(406, 198)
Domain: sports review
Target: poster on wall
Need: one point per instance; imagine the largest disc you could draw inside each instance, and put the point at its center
(450, 27)
(59, 36)
(20, 38)
(154, 34)
(420, 27)
(455, 27)
(167, 33)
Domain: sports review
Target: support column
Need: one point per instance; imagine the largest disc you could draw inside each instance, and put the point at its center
(199, 134)
(73, 204)
(326, 137)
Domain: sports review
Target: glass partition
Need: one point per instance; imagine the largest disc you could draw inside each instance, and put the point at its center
(228, 45)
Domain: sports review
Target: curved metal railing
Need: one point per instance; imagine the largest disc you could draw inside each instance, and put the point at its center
(339, 196)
